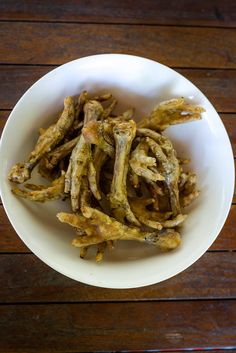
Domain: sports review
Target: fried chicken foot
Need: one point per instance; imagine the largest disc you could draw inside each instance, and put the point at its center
(52, 192)
(51, 159)
(77, 168)
(80, 159)
(166, 156)
(140, 162)
(99, 228)
(154, 219)
(94, 134)
(46, 142)
(124, 134)
(174, 111)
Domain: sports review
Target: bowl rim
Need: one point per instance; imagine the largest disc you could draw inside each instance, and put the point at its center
(119, 285)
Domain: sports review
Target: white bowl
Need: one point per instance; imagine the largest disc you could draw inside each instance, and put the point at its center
(139, 83)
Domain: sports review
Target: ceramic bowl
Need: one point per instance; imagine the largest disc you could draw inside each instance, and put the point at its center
(135, 82)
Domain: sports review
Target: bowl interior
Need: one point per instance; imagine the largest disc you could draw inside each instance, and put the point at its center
(139, 83)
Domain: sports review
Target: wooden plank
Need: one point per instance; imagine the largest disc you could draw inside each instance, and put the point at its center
(115, 327)
(10, 242)
(229, 121)
(26, 279)
(172, 46)
(227, 237)
(217, 85)
(15, 80)
(4, 114)
(185, 12)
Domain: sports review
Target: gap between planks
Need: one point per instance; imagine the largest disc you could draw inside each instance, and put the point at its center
(111, 23)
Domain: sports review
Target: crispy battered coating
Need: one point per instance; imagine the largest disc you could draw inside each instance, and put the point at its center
(93, 133)
(93, 111)
(128, 114)
(77, 168)
(100, 251)
(83, 251)
(134, 179)
(107, 112)
(92, 178)
(51, 159)
(80, 160)
(85, 197)
(188, 189)
(124, 134)
(171, 171)
(116, 174)
(140, 162)
(174, 111)
(99, 158)
(52, 192)
(49, 139)
(78, 123)
(153, 219)
(103, 97)
(99, 227)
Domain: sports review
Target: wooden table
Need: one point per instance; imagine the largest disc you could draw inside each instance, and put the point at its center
(43, 311)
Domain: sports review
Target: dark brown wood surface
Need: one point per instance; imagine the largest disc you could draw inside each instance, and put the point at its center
(115, 327)
(214, 50)
(184, 12)
(43, 311)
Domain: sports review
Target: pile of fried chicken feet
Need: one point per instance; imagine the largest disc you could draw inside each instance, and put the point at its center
(123, 178)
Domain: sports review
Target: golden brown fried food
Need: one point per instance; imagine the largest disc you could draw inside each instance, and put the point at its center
(107, 111)
(78, 123)
(188, 189)
(99, 158)
(100, 251)
(54, 157)
(93, 133)
(93, 111)
(124, 134)
(170, 169)
(128, 114)
(92, 178)
(86, 194)
(141, 163)
(80, 159)
(134, 179)
(132, 175)
(77, 168)
(83, 251)
(49, 139)
(99, 228)
(52, 192)
(153, 219)
(103, 97)
(174, 111)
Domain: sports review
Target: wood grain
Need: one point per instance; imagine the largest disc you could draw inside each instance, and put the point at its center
(185, 12)
(15, 80)
(58, 43)
(4, 114)
(116, 326)
(9, 240)
(229, 121)
(24, 278)
(217, 85)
